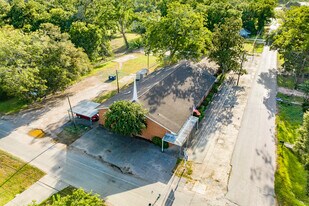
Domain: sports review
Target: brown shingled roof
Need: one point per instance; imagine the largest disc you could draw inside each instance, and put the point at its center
(170, 94)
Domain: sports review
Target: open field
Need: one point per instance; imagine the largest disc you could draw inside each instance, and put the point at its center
(118, 45)
(290, 177)
(257, 49)
(15, 177)
(128, 67)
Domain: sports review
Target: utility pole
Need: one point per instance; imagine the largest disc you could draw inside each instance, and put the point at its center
(71, 111)
(117, 80)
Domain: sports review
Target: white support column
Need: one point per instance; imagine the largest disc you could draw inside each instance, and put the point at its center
(162, 144)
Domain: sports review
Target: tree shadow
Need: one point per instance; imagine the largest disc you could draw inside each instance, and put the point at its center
(171, 100)
(268, 80)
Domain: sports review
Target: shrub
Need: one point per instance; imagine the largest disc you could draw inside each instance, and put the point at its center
(158, 141)
(135, 44)
(126, 118)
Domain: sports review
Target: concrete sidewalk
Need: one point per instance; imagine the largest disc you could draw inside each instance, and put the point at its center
(39, 191)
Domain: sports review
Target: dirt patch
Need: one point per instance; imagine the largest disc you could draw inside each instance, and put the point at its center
(184, 169)
(71, 133)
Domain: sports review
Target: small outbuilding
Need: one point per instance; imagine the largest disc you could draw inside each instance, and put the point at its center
(85, 110)
(141, 74)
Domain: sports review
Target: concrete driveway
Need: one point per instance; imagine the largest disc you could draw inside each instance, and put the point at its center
(129, 155)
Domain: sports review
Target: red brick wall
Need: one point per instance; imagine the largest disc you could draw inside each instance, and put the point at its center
(153, 129)
(101, 115)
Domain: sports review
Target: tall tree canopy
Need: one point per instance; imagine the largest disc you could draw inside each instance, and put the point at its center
(89, 37)
(181, 32)
(292, 41)
(216, 12)
(35, 64)
(123, 14)
(227, 49)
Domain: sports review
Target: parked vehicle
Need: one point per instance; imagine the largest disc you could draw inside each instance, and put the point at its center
(112, 77)
(94, 118)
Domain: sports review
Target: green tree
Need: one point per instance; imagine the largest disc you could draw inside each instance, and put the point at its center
(216, 13)
(302, 143)
(123, 14)
(292, 41)
(89, 37)
(61, 62)
(264, 10)
(78, 197)
(126, 118)
(227, 49)
(37, 63)
(27, 14)
(4, 9)
(18, 72)
(180, 32)
(61, 18)
(248, 17)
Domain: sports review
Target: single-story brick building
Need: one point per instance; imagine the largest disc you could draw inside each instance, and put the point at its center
(170, 95)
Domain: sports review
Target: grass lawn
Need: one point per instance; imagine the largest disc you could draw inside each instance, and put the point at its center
(286, 81)
(128, 67)
(257, 49)
(118, 45)
(13, 185)
(11, 106)
(104, 96)
(70, 133)
(287, 98)
(290, 177)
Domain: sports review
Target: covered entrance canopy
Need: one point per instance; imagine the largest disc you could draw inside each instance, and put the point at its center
(180, 138)
(86, 109)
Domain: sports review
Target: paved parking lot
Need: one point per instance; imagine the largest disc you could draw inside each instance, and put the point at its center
(132, 156)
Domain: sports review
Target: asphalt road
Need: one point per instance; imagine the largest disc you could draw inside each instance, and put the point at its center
(254, 158)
